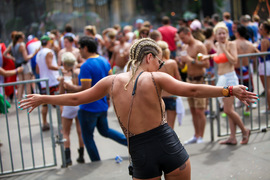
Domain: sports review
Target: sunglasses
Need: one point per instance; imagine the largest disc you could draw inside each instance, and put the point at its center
(161, 63)
(144, 33)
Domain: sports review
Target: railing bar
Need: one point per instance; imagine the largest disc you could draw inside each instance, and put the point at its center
(23, 82)
(41, 135)
(242, 82)
(29, 128)
(19, 128)
(266, 93)
(51, 123)
(8, 134)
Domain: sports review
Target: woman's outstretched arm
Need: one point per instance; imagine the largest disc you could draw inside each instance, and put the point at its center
(179, 88)
(101, 89)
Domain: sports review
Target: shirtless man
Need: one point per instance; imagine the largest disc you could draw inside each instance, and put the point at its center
(195, 73)
(68, 43)
(244, 47)
(120, 54)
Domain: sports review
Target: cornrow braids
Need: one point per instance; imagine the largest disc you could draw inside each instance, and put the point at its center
(137, 52)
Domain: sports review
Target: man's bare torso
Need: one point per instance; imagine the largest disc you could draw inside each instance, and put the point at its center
(192, 51)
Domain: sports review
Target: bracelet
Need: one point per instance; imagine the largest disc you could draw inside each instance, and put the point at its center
(16, 71)
(231, 90)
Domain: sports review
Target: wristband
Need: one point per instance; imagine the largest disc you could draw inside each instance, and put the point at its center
(231, 90)
(16, 71)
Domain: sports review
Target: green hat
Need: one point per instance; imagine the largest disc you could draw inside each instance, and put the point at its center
(45, 39)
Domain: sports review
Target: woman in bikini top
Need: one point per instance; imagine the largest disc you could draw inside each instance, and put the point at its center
(226, 58)
(145, 109)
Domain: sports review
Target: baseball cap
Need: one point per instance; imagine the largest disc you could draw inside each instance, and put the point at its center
(139, 21)
(30, 37)
(45, 39)
(196, 24)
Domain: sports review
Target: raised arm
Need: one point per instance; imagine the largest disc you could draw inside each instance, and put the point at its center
(7, 55)
(101, 89)
(230, 51)
(23, 50)
(179, 88)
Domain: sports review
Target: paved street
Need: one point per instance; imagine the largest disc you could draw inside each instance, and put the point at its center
(208, 160)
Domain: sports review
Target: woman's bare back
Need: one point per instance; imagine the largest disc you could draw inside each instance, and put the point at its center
(146, 112)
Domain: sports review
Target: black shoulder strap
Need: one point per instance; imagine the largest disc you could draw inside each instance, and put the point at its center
(135, 85)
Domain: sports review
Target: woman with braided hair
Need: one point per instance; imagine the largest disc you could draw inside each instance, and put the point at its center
(154, 147)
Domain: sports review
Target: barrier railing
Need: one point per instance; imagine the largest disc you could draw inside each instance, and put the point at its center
(254, 118)
(25, 147)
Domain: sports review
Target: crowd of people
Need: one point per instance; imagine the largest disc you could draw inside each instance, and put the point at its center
(82, 68)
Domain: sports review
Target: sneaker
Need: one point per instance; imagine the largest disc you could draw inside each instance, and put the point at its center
(253, 106)
(246, 113)
(46, 127)
(223, 115)
(264, 112)
(262, 94)
(191, 141)
(199, 140)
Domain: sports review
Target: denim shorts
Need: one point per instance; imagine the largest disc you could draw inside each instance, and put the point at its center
(228, 79)
(170, 103)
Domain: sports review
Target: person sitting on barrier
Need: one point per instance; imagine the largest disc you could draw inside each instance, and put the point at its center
(154, 147)
(226, 58)
(264, 46)
(170, 67)
(70, 112)
(244, 47)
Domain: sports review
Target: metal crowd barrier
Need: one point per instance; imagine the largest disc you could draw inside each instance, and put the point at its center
(24, 146)
(257, 120)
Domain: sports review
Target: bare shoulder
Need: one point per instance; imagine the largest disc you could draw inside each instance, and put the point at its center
(61, 51)
(127, 45)
(264, 40)
(159, 76)
(231, 44)
(200, 47)
(22, 44)
(76, 50)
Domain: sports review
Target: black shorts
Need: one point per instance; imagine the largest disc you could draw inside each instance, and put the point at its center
(170, 103)
(156, 151)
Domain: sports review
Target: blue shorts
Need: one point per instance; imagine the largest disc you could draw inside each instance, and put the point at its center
(170, 103)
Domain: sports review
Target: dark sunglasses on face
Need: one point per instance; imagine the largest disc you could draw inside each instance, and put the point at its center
(161, 63)
(144, 33)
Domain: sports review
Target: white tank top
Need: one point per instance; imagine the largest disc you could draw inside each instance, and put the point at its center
(44, 72)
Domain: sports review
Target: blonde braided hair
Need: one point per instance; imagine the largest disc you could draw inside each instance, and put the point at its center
(137, 52)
